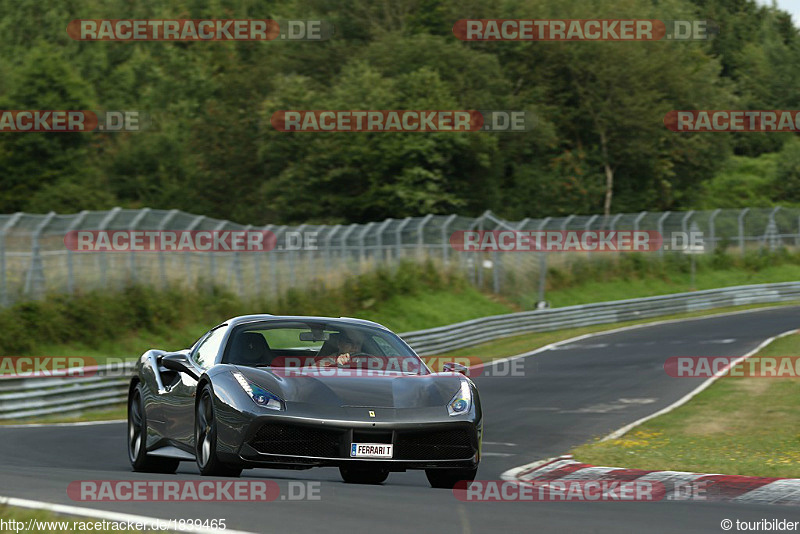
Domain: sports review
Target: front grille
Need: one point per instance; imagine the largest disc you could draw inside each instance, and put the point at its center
(437, 445)
(293, 440)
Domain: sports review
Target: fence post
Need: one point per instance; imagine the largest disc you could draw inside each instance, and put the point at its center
(213, 253)
(362, 255)
(542, 262)
(712, 228)
(771, 232)
(343, 243)
(194, 224)
(379, 239)
(637, 220)
(237, 262)
(70, 267)
(293, 252)
(660, 227)
(161, 260)
(421, 234)
(399, 235)
(740, 220)
(103, 258)
(132, 226)
(34, 281)
(446, 240)
(685, 222)
(328, 255)
(4, 300)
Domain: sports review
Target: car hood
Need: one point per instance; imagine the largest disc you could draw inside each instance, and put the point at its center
(377, 389)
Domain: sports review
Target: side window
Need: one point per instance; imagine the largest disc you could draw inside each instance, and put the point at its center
(207, 352)
(385, 347)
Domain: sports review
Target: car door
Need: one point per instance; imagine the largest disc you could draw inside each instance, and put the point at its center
(179, 410)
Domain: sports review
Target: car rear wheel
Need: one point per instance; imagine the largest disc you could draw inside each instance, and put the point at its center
(137, 439)
(448, 478)
(363, 475)
(205, 434)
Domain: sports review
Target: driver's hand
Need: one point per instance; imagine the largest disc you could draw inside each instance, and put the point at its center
(343, 359)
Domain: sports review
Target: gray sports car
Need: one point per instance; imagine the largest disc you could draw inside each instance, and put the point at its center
(299, 392)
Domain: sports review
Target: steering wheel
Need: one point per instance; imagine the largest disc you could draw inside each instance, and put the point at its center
(363, 356)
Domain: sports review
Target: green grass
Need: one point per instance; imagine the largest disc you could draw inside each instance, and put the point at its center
(677, 282)
(573, 281)
(737, 426)
(435, 308)
(402, 313)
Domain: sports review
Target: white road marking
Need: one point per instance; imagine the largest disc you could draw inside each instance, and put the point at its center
(151, 522)
(619, 404)
(511, 474)
(502, 443)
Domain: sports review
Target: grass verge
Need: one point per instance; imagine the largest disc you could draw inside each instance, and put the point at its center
(737, 426)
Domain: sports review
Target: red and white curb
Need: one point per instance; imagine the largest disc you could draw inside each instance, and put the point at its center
(678, 485)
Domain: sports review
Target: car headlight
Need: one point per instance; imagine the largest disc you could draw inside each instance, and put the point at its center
(260, 396)
(461, 401)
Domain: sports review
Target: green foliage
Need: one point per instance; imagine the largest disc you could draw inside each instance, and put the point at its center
(211, 148)
(95, 319)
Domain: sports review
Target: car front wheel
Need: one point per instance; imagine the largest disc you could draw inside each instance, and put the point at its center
(205, 434)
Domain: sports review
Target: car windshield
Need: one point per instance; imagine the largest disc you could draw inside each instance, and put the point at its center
(310, 344)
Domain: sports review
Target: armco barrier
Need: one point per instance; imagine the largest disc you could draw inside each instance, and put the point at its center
(30, 397)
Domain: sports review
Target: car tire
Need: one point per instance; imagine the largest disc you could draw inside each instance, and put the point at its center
(137, 438)
(205, 438)
(363, 475)
(448, 478)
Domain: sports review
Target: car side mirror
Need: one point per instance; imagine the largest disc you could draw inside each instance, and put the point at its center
(179, 361)
(453, 367)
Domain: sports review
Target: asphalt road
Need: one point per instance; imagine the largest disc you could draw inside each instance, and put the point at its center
(567, 396)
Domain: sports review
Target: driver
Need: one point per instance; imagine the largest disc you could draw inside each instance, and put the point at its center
(346, 346)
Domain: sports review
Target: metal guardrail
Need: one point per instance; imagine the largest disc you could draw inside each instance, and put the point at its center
(31, 397)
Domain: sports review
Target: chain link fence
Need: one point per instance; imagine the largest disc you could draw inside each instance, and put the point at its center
(34, 259)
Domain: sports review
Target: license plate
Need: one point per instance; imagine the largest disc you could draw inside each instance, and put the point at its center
(371, 450)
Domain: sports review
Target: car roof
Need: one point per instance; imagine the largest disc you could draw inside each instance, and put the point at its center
(268, 317)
